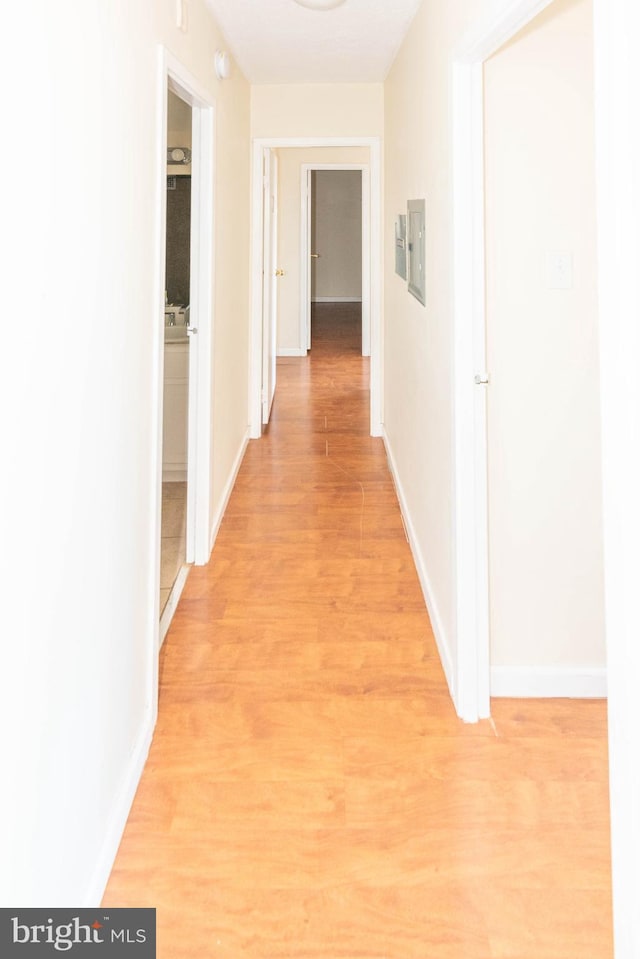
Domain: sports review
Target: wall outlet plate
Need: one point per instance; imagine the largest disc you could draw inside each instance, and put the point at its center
(560, 271)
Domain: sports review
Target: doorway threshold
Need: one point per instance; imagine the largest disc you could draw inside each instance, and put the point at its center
(173, 599)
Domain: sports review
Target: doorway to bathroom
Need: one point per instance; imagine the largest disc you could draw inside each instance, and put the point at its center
(185, 280)
(177, 297)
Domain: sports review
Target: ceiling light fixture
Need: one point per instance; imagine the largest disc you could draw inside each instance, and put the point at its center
(319, 4)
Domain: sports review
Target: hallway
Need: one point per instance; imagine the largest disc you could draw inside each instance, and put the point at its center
(310, 792)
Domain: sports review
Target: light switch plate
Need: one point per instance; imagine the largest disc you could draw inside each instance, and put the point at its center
(560, 271)
(182, 15)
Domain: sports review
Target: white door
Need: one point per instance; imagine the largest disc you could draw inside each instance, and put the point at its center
(310, 260)
(269, 279)
(544, 464)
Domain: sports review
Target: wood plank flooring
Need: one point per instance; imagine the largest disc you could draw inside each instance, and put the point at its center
(310, 792)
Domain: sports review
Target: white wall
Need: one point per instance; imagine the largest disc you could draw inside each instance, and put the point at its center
(545, 512)
(79, 506)
(336, 233)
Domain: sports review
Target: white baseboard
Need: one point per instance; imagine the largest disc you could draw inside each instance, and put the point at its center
(442, 641)
(535, 682)
(336, 299)
(119, 816)
(219, 514)
(295, 351)
(174, 474)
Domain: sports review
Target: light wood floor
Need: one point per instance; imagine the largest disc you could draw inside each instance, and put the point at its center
(310, 792)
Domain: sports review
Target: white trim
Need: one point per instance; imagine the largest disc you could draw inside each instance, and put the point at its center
(367, 273)
(374, 257)
(291, 352)
(173, 74)
(269, 218)
(303, 143)
(118, 817)
(336, 299)
(487, 36)
(176, 473)
(305, 259)
(157, 396)
(203, 260)
(617, 78)
(437, 623)
(172, 602)
(536, 682)
(226, 493)
(255, 319)
(470, 526)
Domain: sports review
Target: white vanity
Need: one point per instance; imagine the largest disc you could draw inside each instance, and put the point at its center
(176, 394)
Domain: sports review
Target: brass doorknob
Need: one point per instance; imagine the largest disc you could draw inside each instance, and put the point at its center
(279, 272)
(315, 256)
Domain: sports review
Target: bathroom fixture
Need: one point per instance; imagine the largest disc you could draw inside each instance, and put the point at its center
(319, 4)
(222, 65)
(176, 322)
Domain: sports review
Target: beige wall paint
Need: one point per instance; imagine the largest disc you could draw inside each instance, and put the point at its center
(290, 162)
(178, 121)
(317, 110)
(179, 131)
(336, 234)
(76, 678)
(418, 342)
(546, 563)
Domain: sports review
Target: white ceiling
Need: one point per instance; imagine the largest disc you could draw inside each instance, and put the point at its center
(277, 41)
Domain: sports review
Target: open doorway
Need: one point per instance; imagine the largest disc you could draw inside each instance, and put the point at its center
(175, 426)
(185, 279)
(335, 285)
(299, 157)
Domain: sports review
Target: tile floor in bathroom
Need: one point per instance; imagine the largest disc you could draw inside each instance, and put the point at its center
(174, 524)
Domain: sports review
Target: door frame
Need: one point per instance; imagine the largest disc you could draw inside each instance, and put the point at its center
(305, 250)
(172, 73)
(471, 681)
(617, 76)
(269, 280)
(374, 256)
